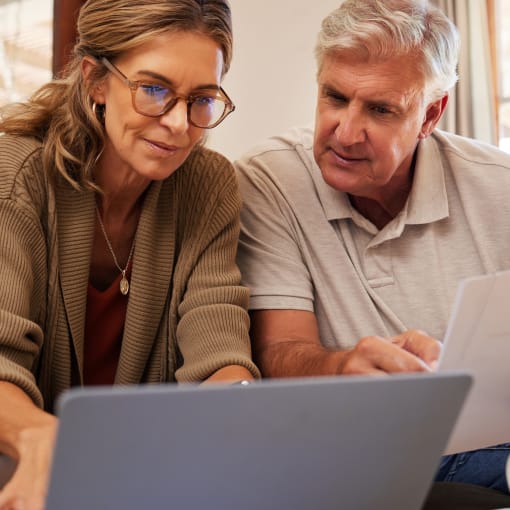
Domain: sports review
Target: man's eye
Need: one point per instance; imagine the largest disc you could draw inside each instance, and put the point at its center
(382, 110)
(335, 98)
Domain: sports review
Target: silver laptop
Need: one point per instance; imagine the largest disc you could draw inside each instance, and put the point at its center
(296, 444)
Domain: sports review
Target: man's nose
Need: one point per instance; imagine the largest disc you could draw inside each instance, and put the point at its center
(351, 128)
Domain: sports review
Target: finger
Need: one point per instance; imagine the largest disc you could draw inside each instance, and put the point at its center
(394, 359)
(8, 502)
(357, 361)
(358, 366)
(420, 344)
(373, 354)
(26, 490)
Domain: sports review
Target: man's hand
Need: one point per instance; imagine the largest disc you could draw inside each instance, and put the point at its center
(411, 351)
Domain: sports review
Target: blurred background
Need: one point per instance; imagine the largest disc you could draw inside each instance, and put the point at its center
(272, 78)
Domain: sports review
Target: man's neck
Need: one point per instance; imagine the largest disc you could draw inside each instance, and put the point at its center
(380, 210)
(378, 213)
(382, 207)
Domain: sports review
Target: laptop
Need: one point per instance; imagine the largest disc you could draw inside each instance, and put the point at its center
(478, 340)
(290, 444)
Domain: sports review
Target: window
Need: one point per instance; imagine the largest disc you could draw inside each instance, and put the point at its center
(25, 47)
(502, 25)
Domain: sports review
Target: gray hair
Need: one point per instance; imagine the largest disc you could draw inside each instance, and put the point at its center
(382, 29)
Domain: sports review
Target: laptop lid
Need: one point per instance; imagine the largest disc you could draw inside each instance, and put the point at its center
(478, 340)
(328, 443)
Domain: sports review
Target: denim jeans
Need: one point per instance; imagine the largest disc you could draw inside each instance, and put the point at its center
(486, 467)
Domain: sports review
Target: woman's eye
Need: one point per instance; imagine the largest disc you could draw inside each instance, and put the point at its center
(154, 90)
(204, 100)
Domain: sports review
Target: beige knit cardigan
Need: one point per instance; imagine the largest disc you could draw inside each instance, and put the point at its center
(186, 315)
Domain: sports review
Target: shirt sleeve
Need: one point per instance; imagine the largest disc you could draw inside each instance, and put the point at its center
(269, 255)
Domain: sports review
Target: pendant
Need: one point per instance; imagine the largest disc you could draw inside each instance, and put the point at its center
(124, 284)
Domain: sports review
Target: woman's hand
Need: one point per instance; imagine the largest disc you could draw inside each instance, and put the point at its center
(27, 434)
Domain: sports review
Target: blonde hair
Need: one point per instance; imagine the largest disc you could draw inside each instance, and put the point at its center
(381, 29)
(60, 114)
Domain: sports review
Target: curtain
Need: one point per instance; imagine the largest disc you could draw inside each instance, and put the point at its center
(471, 109)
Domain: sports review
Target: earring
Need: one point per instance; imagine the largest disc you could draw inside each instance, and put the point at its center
(99, 111)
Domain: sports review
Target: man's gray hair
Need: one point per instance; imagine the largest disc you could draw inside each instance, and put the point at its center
(382, 29)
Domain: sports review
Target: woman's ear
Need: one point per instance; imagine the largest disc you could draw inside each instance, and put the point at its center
(433, 114)
(88, 64)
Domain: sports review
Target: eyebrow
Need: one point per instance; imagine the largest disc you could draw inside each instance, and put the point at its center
(391, 105)
(384, 104)
(160, 77)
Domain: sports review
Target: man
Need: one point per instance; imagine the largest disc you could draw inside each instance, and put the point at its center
(356, 235)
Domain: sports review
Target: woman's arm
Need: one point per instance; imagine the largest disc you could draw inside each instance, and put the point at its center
(27, 435)
(230, 374)
(213, 329)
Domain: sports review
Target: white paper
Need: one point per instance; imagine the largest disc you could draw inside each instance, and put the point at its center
(478, 340)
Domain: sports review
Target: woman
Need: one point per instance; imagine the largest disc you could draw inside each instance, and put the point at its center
(119, 228)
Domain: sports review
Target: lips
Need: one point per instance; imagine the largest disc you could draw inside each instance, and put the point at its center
(344, 158)
(162, 145)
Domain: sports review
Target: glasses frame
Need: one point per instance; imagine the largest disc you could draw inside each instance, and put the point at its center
(134, 85)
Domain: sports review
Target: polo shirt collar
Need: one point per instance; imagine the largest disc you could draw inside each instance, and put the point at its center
(336, 204)
(427, 201)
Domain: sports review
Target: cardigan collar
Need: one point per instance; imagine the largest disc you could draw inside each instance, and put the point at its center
(153, 260)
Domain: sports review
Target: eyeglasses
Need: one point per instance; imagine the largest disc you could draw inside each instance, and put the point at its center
(205, 110)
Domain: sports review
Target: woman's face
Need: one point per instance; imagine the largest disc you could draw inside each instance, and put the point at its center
(141, 148)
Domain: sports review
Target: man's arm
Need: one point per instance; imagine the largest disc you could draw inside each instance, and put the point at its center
(286, 344)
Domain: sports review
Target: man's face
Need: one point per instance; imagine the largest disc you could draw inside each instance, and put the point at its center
(369, 119)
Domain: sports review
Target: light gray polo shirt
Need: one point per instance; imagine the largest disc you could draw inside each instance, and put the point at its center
(304, 247)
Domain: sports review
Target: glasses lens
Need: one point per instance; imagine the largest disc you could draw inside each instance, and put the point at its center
(151, 98)
(206, 110)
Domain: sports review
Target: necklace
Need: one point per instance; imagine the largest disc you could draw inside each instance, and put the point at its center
(124, 283)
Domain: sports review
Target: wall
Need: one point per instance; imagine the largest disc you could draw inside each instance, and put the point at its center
(272, 78)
